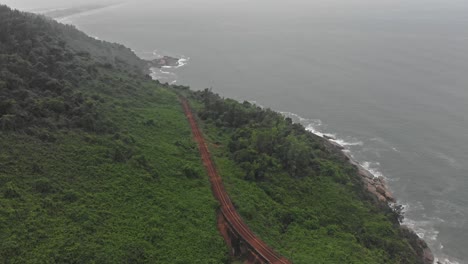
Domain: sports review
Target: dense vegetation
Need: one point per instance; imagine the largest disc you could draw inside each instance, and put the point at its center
(41, 67)
(298, 192)
(97, 165)
(96, 160)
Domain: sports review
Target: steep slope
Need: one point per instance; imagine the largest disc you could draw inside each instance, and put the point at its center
(96, 160)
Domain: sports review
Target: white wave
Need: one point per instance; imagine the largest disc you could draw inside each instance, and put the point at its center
(66, 20)
(168, 73)
(156, 73)
(182, 62)
(312, 129)
(301, 119)
(314, 125)
(425, 228)
(165, 73)
(157, 54)
(333, 137)
(345, 143)
(154, 70)
(384, 143)
(445, 261)
(257, 104)
(163, 76)
(372, 167)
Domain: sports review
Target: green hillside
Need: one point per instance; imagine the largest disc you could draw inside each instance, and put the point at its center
(298, 192)
(96, 161)
(98, 165)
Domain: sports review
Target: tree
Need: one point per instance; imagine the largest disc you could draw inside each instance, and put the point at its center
(8, 122)
(191, 172)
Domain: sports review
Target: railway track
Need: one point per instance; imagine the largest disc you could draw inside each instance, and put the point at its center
(227, 208)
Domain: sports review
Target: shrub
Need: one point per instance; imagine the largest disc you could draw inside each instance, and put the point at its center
(70, 196)
(122, 153)
(8, 122)
(149, 122)
(44, 186)
(11, 191)
(191, 172)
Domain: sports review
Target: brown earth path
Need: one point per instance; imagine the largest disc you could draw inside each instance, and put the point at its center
(227, 208)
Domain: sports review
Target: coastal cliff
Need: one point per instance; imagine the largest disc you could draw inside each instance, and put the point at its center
(97, 164)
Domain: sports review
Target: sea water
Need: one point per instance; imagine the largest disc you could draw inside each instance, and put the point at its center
(387, 79)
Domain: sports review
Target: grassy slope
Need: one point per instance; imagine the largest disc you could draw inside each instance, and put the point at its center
(78, 199)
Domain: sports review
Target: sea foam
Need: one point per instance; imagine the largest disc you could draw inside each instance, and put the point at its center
(165, 73)
(425, 228)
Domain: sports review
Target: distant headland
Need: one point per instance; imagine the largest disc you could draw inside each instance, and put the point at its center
(59, 13)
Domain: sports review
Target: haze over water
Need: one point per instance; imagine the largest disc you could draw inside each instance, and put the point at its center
(388, 78)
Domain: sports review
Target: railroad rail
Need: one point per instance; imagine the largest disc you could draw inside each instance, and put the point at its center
(262, 252)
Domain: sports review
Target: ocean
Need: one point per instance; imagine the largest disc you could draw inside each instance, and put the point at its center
(388, 79)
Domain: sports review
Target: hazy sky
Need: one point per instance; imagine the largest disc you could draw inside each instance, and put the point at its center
(416, 7)
(35, 4)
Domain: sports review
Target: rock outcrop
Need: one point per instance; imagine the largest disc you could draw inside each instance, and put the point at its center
(164, 61)
(378, 187)
(375, 185)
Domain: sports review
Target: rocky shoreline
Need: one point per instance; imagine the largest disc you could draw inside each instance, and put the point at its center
(165, 61)
(375, 185)
(378, 188)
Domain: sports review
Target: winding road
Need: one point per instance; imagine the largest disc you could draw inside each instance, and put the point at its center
(227, 208)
